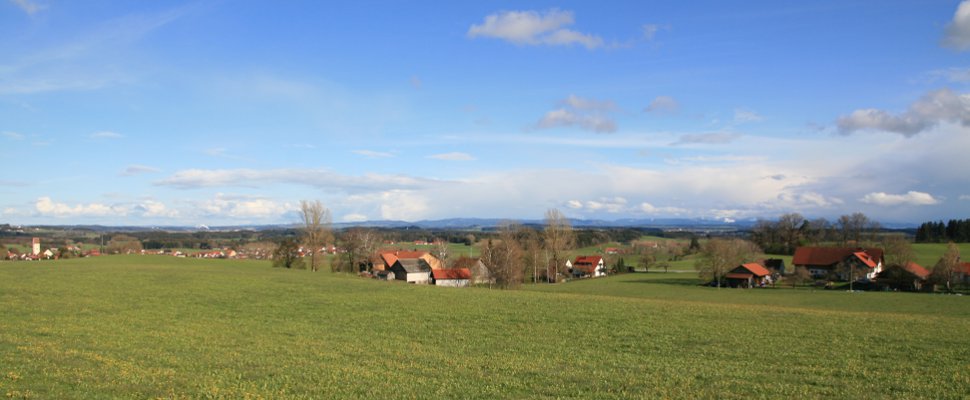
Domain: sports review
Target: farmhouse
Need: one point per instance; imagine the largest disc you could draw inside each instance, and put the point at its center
(453, 277)
(589, 266)
(748, 275)
(410, 266)
(910, 277)
(388, 258)
(838, 262)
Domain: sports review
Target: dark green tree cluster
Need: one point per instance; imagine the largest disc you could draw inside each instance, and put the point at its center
(954, 230)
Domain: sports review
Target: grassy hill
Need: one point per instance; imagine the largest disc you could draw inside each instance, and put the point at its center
(163, 327)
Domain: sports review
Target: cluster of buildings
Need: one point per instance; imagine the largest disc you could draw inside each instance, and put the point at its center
(843, 264)
(421, 267)
(37, 252)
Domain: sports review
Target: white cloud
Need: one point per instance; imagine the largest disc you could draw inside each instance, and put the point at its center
(404, 205)
(930, 110)
(132, 170)
(106, 135)
(151, 208)
(580, 103)
(565, 118)
(708, 138)
(668, 211)
(454, 156)
(29, 7)
(954, 75)
(913, 198)
(742, 116)
(650, 30)
(354, 218)
(957, 33)
(965, 197)
(373, 154)
(47, 207)
(244, 207)
(12, 135)
(534, 28)
(587, 114)
(663, 105)
(199, 178)
(574, 204)
(611, 205)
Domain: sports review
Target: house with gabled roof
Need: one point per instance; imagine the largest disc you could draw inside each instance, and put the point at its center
(748, 275)
(388, 258)
(911, 276)
(832, 262)
(588, 266)
(409, 266)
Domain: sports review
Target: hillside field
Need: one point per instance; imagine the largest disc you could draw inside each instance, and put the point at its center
(165, 327)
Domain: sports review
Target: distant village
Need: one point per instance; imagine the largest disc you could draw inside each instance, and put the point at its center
(865, 267)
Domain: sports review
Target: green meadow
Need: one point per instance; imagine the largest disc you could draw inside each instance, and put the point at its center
(163, 327)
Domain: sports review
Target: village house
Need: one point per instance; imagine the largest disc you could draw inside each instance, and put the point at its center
(838, 262)
(409, 266)
(748, 275)
(452, 277)
(588, 266)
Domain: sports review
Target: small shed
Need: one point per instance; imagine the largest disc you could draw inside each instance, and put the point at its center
(454, 277)
(748, 275)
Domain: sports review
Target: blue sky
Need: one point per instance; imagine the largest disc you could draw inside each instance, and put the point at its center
(231, 112)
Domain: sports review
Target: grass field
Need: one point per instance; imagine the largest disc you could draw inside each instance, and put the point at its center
(163, 327)
(927, 254)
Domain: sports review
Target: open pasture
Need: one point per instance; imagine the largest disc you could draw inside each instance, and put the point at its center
(163, 327)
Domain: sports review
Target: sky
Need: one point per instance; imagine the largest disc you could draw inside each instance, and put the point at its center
(230, 112)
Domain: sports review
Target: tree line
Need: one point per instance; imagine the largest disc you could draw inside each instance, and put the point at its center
(954, 230)
(792, 230)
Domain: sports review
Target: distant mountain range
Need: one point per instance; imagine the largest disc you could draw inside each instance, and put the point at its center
(693, 224)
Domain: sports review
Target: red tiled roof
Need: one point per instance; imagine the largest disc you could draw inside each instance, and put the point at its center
(738, 276)
(756, 269)
(390, 257)
(454, 273)
(964, 267)
(823, 256)
(917, 270)
(587, 260)
(862, 256)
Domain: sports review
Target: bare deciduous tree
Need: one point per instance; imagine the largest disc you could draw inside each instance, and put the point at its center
(316, 228)
(799, 276)
(533, 256)
(852, 227)
(124, 244)
(899, 252)
(946, 269)
(646, 258)
(358, 245)
(789, 226)
(503, 258)
(558, 238)
(441, 252)
(718, 256)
